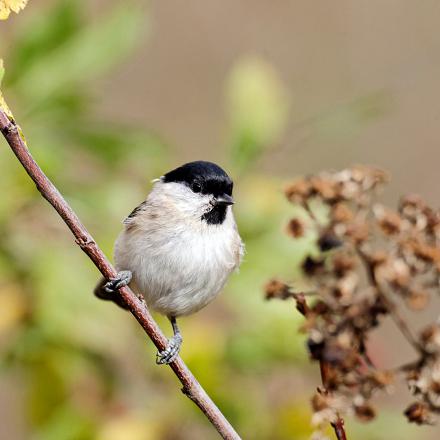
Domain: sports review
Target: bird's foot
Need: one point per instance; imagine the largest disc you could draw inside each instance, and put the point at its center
(122, 280)
(171, 350)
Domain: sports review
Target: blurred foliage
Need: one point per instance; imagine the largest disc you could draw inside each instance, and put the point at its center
(258, 109)
(80, 368)
(348, 119)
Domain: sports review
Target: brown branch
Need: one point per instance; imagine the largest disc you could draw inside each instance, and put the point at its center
(338, 425)
(191, 387)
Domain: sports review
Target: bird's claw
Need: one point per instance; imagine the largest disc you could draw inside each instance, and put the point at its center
(171, 350)
(122, 280)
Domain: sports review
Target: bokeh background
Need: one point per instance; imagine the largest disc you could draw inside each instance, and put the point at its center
(112, 94)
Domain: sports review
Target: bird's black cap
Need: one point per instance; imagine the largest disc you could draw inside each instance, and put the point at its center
(203, 177)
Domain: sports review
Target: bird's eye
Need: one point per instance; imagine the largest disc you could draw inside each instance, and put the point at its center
(196, 187)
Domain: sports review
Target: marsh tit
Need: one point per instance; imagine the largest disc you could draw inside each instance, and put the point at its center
(179, 246)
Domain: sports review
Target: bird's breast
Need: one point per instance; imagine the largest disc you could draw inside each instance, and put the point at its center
(179, 270)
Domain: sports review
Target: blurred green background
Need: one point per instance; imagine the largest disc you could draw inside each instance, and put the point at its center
(111, 95)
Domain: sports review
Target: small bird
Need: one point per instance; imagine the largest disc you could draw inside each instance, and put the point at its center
(179, 246)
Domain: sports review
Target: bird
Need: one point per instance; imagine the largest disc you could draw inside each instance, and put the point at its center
(178, 248)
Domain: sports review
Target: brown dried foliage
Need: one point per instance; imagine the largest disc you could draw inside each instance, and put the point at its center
(380, 260)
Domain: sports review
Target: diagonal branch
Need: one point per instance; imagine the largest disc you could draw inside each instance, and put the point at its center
(138, 309)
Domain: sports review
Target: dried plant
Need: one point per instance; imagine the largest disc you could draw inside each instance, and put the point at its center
(373, 261)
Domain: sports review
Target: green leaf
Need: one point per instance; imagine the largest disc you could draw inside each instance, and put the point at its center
(41, 34)
(88, 54)
(257, 107)
(345, 121)
(116, 142)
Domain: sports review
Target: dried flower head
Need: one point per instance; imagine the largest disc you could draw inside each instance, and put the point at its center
(298, 191)
(365, 413)
(277, 289)
(296, 228)
(419, 413)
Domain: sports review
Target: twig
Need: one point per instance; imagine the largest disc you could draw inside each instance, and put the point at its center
(388, 302)
(400, 322)
(191, 387)
(338, 425)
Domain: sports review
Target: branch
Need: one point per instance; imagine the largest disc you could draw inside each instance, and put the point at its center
(138, 309)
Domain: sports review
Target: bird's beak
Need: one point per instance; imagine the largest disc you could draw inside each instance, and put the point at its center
(224, 199)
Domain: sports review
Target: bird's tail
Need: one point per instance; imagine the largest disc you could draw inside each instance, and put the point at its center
(100, 292)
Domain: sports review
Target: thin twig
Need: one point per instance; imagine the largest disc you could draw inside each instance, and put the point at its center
(339, 428)
(389, 303)
(191, 387)
(400, 322)
(338, 425)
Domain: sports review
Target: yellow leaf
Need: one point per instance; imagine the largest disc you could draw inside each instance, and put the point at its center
(6, 6)
(3, 104)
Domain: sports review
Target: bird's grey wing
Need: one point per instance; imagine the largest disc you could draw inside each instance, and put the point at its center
(129, 220)
(99, 290)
